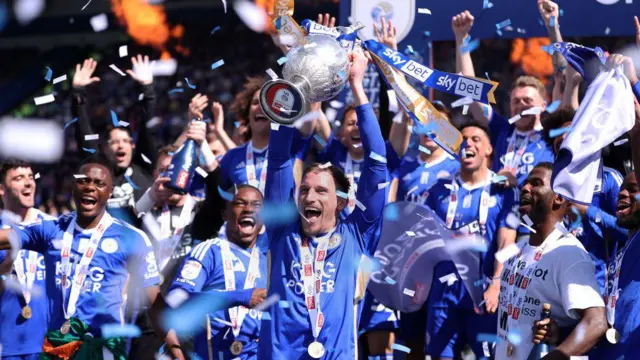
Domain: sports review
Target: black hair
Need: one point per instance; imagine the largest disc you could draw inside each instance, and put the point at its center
(555, 120)
(236, 188)
(545, 165)
(10, 165)
(98, 159)
(340, 179)
(478, 124)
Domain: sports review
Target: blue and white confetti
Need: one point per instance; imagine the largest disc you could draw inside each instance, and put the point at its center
(92, 151)
(175, 91)
(133, 185)
(114, 118)
(553, 106)
(49, 74)
(189, 84)
(278, 214)
(396, 346)
(553, 133)
(70, 122)
(116, 330)
(225, 194)
(487, 5)
(470, 47)
(552, 21)
(214, 30)
(389, 281)
(282, 60)
(503, 24)
(217, 64)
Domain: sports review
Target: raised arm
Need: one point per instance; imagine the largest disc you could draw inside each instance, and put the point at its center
(280, 185)
(82, 78)
(461, 25)
(550, 13)
(144, 109)
(372, 199)
(218, 128)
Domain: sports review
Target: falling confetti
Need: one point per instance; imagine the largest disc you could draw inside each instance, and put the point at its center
(215, 29)
(319, 140)
(507, 253)
(514, 119)
(251, 15)
(189, 84)
(44, 99)
(536, 110)
(552, 21)
(116, 69)
(117, 330)
(49, 74)
(89, 150)
(389, 281)
(133, 185)
(217, 64)
(553, 133)
(91, 137)
(202, 172)
(377, 157)
(498, 178)
(37, 176)
(282, 60)
(267, 303)
(449, 279)
(620, 142)
(60, 79)
(503, 24)
(486, 337)
(461, 102)
(470, 47)
(99, 22)
(409, 292)
(272, 74)
(399, 347)
(424, 11)
(487, 4)
(225, 195)
(553, 106)
(175, 91)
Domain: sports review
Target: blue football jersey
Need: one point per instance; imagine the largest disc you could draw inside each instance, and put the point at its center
(20, 336)
(203, 271)
(502, 212)
(415, 177)
(536, 150)
(122, 247)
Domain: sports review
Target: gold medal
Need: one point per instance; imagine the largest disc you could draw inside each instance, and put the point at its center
(236, 348)
(26, 312)
(612, 335)
(510, 350)
(315, 350)
(66, 327)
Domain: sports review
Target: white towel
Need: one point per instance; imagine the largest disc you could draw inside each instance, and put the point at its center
(606, 112)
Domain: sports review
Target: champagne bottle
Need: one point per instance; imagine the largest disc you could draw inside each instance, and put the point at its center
(541, 350)
(183, 167)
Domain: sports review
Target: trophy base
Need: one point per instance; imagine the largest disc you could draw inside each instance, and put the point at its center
(282, 102)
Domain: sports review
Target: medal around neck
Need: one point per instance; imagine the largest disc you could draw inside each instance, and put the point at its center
(236, 348)
(314, 72)
(26, 312)
(316, 350)
(612, 335)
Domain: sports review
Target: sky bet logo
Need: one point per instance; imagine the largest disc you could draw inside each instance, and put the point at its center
(411, 68)
(446, 81)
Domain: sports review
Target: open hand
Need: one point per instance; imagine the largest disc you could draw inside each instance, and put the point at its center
(84, 72)
(142, 70)
(491, 297)
(196, 106)
(548, 9)
(257, 297)
(326, 20)
(387, 34)
(218, 116)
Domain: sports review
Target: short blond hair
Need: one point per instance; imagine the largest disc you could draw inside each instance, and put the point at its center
(531, 81)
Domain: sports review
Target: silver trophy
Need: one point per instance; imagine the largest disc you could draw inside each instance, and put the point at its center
(314, 72)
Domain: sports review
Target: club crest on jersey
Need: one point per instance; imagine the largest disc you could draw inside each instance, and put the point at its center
(493, 201)
(335, 241)
(369, 12)
(191, 270)
(109, 245)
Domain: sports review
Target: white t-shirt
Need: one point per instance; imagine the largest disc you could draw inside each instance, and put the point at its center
(564, 277)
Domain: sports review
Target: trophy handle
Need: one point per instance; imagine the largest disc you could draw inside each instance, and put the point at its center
(283, 101)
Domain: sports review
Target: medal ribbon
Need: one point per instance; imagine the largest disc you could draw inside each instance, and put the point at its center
(238, 313)
(353, 189)
(476, 88)
(513, 164)
(426, 117)
(169, 240)
(483, 211)
(82, 268)
(26, 279)
(250, 168)
(312, 269)
(612, 276)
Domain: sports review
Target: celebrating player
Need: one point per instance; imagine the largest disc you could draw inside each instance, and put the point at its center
(314, 261)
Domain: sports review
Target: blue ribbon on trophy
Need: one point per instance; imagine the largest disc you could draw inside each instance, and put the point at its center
(346, 36)
(481, 90)
(411, 245)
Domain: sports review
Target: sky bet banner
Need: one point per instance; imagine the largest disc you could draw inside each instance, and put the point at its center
(578, 18)
(413, 242)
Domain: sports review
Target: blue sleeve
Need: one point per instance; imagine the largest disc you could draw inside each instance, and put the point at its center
(301, 146)
(225, 168)
(611, 189)
(393, 160)
(636, 90)
(497, 124)
(37, 235)
(330, 150)
(144, 260)
(280, 186)
(196, 268)
(509, 205)
(369, 218)
(607, 223)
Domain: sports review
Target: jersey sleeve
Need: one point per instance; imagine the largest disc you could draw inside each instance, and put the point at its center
(224, 179)
(497, 124)
(393, 160)
(143, 260)
(578, 284)
(367, 215)
(280, 185)
(509, 206)
(612, 182)
(301, 146)
(328, 151)
(195, 268)
(35, 236)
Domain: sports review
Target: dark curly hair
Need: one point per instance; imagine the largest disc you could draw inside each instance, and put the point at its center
(242, 101)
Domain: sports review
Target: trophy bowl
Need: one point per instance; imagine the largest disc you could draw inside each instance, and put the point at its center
(314, 72)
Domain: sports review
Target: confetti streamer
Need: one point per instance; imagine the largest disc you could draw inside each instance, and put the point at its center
(60, 79)
(552, 21)
(527, 220)
(410, 49)
(225, 195)
(123, 51)
(272, 74)
(116, 330)
(275, 126)
(553, 106)
(536, 110)
(528, 227)
(320, 140)
(99, 22)
(123, 123)
(507, 253)
(91, 137)
(116, 69)
(620, 142)
(424, 11)
(383, 185)
(553, 133)
(80, 176)
(342, 194)
(36, 176)
(89, 150)
(49, 74)
(70, 122)
(325, 165)
(282, 60)
(175, 91)
(217, 64)
(514, 119)
(360, 205)
(114, 118)
(214, 30)
(498, 178)
(133, 185)
(377, 157)
(465, 109)
(389, 281)
(409, 292)
(410, 233)
(202, 172)
(503, 24)
(44, 99)
(402, 348)
(470, 47)
(267, 303)
(461, 102)
(85, 5)
(189, 84)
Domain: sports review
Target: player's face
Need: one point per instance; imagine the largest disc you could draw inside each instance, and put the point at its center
(91, 192)
(536, 195)
(19, 188)
(478, 149)
(557, 141)
(350, 133)
(258, 123)
(523, 98)
(162, 166)
(242, 215)
(317, 202)
(120, 147)
(627, 212)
